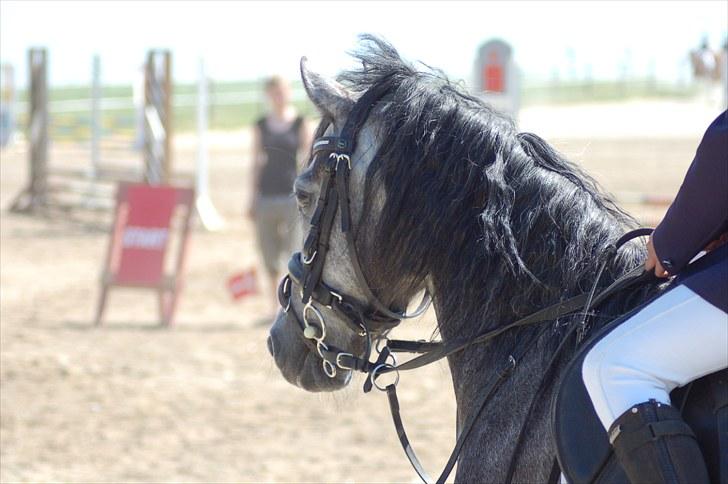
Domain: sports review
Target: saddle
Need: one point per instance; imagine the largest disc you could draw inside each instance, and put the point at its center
(582, 445)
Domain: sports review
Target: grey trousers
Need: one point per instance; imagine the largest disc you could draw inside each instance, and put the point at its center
(277, 230)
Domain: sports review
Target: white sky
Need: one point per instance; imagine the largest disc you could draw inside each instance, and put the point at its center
(249, 40)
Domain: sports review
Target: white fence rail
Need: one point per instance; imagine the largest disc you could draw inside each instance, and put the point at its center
(119, 103)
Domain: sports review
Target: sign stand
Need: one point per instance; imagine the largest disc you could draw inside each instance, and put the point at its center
(139, 240)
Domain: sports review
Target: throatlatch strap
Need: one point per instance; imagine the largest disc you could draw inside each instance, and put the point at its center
(342, 175)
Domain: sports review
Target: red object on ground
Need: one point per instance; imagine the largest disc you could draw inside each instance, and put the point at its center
(139, 239)
(243, 284)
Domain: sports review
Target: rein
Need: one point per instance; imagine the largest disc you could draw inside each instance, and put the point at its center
(305, 272)
(434, 351)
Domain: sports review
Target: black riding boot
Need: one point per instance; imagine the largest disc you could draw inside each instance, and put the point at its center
(654, 445)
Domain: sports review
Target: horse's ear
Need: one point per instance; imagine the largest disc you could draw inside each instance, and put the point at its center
(327, 95)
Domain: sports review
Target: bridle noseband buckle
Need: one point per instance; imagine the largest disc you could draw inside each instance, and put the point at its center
(340, 364)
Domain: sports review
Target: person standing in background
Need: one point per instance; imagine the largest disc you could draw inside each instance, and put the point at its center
(278, 137)
(706, 72)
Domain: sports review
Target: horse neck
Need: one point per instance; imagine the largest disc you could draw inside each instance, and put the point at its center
(562, 255)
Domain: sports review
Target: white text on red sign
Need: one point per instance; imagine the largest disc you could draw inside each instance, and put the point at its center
(149, 238)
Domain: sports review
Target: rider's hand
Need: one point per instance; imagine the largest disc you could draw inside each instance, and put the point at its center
(652, 262)
(723, 239)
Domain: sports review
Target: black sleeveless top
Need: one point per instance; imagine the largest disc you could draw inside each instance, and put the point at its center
(279, 171)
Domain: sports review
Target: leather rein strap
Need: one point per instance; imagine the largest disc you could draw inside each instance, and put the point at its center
(441, 350)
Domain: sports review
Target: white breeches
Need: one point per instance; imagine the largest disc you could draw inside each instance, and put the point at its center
(675, 339)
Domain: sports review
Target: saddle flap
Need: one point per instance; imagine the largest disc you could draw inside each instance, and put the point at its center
(582, 444)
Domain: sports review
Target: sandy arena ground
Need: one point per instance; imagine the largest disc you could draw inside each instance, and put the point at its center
(203, 402)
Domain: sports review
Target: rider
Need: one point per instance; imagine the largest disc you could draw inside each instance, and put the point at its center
(680, 336)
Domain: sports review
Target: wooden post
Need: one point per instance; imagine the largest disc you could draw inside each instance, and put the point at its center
(38, 124)
(167, 118)
(95, 117)
(34, 196)
(150, 159)
(158, 116)
(107, 276)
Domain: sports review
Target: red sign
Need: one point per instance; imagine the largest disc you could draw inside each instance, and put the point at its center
(494, 74)
(146, 219)
(243, 284)
(493, 80)
(141, 233)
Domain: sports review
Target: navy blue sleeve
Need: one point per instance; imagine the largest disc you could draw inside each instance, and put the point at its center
(699, 213)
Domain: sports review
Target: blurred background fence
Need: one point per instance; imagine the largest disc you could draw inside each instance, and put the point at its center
(233, 105)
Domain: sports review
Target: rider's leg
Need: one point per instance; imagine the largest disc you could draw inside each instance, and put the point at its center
(672, 341)
(629, 374)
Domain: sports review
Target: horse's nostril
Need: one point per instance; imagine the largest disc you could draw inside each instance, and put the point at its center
(271, 347)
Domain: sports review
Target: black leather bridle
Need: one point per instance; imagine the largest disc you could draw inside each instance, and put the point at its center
(305, 269)
(372, 323)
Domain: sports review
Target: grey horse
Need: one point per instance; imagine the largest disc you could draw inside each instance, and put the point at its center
(447, 196)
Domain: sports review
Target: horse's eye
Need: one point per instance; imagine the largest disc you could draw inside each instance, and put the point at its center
(303, 198)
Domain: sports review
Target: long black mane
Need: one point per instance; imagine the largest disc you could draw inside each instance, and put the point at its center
(500, 222)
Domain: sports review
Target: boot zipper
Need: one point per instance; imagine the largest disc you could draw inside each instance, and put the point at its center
(663, 455)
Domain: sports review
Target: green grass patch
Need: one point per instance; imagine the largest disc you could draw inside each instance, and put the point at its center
(77, 125)
(603, 91)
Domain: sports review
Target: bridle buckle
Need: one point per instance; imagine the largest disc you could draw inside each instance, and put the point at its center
(308, 260)
(345, 157)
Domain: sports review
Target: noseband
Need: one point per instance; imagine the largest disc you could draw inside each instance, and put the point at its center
(305, 269)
